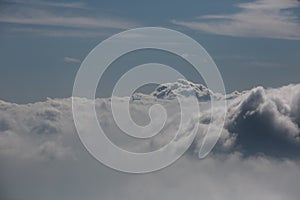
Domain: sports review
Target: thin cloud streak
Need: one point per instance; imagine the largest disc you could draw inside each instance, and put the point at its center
(262, 19)
(41, 17)
(76, 5)
(60, 33)
(71, 60)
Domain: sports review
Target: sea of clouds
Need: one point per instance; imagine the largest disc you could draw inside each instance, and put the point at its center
(257, 156)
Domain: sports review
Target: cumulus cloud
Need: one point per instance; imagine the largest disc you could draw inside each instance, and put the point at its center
(265, 122)
(259, 121)
(261, 18)
(35, 131)
(258, 150)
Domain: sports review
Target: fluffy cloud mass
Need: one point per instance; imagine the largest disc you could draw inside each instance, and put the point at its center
(257, 155)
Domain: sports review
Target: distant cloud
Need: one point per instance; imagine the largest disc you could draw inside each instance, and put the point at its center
(32, 16)
(261, 18)
(77, 5)
(55, 32)
(39, 18)
(265, 64)
(131, 35)
(71, 60)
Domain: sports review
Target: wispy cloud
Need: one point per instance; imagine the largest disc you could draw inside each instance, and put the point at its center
(71, 60)
(55, 32)
(78, 5)
(265, 64)
(249, 61)
(39, 18)
(262, 18)
(43, 17)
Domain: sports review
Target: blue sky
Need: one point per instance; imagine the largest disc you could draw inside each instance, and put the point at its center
(43, 42)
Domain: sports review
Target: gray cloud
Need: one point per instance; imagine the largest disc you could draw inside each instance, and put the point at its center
(35, 131)
(265, 121)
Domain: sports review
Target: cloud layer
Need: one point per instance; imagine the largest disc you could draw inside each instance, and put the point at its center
(257, 152)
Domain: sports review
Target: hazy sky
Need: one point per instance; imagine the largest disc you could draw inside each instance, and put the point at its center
(43, 42)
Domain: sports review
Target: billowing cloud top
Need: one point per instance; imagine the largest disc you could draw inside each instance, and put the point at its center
(261, 130)
(258, 121)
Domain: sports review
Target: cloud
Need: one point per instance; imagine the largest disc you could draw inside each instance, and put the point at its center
(265, 123)
(257, 156)
(254, 118)
(229, 178)
(261, 18)
(77, 5)
(216, 178)
(40, 19)
(71, 60)
(31, 16)
(259, 121)
(55, 32)
(265, 64)
(41, 136)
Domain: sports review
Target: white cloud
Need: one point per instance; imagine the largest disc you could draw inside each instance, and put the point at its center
(58, 23)
(38, 143)
(261, 18)
(256, 114)
(71, 60)
(41, 136)
(32, 16)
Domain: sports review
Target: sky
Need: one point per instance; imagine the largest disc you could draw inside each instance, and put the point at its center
(256, 47)
(43, 42)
